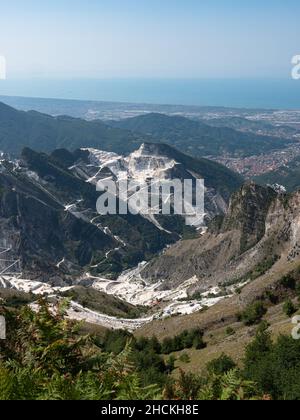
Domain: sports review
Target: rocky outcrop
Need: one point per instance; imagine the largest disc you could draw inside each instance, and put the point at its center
(247, 213)
(259, 229)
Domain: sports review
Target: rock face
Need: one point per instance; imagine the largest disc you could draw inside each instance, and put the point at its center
(259, 230)
(48, 216)
(247, 213)
(162, 162)
(35, 225)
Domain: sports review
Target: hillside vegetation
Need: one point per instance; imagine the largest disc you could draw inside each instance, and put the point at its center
(68, 366)
(199, 139)
(19, 129)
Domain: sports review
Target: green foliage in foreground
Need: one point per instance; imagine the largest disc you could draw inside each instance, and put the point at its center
(45, 358)
(274, 367)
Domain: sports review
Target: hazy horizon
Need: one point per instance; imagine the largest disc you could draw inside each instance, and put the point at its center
(149, 39)
(186, 52)
(235, 93)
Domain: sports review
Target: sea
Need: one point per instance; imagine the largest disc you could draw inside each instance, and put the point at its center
(240, 93)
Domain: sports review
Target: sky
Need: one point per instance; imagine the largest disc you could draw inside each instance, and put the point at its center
(70, 39)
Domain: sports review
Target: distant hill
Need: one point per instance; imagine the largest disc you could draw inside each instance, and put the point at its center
(44, 133)
(254, 126)
(41, 132)
(197, 138)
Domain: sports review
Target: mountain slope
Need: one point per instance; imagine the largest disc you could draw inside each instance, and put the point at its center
(48, 218)
(41, 132)
(161, 160)
(197, 138)
(19, 129)
(48, 210)
(232, 250)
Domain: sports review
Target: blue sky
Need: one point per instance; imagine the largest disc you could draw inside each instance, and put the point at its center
(149, 38)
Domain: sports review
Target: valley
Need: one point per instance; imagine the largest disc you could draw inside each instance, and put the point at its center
(277, 130)
(176, 291)
(149, 203)
(130, 288)
(195, 292)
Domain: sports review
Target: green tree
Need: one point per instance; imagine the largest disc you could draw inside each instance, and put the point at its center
(289, 308)
(221, 365)
(288, 282)
(253, 313)
(198, 343)
(258, 363)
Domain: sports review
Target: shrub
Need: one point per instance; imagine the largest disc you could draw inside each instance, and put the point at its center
(171, 363)
(185, 358)
(229, 331)
(272, 297)
(263, 267)
(221, 365)
(45, 358)
(298, 290)
(289, 308)
(187, 386)
(198, 343)
(231, 386)
(253, 313)
(288, 282)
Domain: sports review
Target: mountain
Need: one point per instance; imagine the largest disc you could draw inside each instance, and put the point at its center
(201, 297)
(252, 235)
(41, 132)
(153, 160)
(48, 210)
(44, 133)
(258, 127)
(49, 223)
(246, 272)
(199, 139)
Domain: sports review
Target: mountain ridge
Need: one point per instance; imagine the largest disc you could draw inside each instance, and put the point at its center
(198, 138)
(61, 188)
(44, 133)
